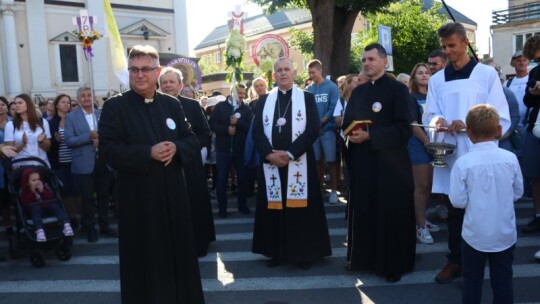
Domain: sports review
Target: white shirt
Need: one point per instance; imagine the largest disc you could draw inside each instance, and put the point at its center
(517, 86)
(452, 100)
(339, 110)
(486, 182)
(90, 120)
(32, 148)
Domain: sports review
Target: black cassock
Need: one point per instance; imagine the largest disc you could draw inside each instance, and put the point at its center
(158, 262)
(199, 198)
(381, 232)
(292, 235)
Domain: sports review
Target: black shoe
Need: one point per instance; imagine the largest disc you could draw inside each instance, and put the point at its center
(393, 278)
(532, 226)
(244, 210)
(223, 214)
(304, 265)
(91, 236)
(273, 262)
(107, 231)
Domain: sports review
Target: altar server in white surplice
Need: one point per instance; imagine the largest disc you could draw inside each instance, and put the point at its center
(463, 84)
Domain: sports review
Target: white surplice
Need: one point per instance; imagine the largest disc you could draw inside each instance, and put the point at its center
(452, 100)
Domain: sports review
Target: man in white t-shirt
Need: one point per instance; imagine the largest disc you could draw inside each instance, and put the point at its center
(517, 85)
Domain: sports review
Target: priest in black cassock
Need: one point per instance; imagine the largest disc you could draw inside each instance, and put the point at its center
(381, 231)
(290, 220)
(144, 136)
(170, 82)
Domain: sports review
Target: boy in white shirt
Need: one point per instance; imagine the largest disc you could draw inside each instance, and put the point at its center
(486, 182)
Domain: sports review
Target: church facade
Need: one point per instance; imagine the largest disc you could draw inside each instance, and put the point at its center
(41, 56)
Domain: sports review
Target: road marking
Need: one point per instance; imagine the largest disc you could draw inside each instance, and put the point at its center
(244, 256)
(359, 281)
(224, 276)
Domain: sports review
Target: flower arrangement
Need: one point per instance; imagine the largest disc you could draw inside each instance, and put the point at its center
(87, 41)
(234, 54)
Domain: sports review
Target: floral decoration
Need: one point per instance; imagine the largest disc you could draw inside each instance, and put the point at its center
(234, 55)
(87, 38)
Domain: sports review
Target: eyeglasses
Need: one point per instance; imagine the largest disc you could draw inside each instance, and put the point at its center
(144, 70)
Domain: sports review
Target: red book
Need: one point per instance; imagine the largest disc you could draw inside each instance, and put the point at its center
(357, 125)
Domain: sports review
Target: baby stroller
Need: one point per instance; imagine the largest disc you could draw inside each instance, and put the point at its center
(23, 238)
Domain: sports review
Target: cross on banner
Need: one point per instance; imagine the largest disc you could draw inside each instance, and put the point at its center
(237, 19)
(297, 175)
(85, 23)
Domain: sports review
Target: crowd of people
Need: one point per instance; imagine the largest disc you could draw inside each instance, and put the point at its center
(159, 155)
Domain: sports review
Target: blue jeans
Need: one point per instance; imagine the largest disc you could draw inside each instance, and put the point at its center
(36, 211)
(500, 273)
(224, 160)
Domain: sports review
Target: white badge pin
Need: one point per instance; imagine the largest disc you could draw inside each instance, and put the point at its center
(170, 123)
(237, 115)
(376, 107)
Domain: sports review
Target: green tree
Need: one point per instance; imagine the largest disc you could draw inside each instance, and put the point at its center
(303, 42)
(208, 66)
(414, 32)
(332, 22)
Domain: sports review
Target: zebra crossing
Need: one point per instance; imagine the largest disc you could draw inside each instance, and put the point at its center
(232, 274)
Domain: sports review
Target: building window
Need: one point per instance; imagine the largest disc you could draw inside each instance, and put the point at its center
(519, 40)
(533, 11)
(217, 57)
(68, 63)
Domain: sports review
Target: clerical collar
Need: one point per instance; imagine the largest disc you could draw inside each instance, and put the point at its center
(373, 82)
(147, 100)
(285, 91)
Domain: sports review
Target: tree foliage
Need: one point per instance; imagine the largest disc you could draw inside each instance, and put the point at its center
(414, 32)
(302, 41)
(332, 22)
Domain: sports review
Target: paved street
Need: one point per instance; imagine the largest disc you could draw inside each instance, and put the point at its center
(232, 274)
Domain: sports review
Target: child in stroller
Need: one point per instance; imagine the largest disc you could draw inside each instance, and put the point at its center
(36, 197)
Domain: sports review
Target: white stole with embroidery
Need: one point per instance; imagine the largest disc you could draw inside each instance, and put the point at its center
(297, 187)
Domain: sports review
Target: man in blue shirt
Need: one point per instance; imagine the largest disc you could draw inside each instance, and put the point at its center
(326, 96)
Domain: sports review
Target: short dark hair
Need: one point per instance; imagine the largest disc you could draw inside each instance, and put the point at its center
(4, 100)
(241, 86)
(531, 46)
(438, 53)
(452, 28)
(315, 63)
(380, 49)
(144, 50)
